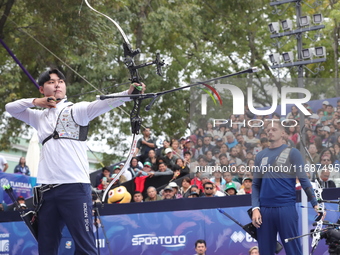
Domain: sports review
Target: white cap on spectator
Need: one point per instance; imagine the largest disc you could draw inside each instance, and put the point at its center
(326, 128)
(325, 102)
(173, 185)
(338, 121)
(247, 178)
(167, 150)
(314, 116)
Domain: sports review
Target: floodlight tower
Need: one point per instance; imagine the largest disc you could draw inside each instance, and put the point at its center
(304, 56)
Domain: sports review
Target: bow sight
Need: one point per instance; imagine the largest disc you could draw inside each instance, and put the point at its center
(129, 62)
(129, 54)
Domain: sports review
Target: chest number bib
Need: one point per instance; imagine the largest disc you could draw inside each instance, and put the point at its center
(67, 128)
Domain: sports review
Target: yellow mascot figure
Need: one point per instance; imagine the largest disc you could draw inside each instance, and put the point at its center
(119, 195)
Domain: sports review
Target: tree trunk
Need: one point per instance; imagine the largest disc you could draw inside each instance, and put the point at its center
(7, 9)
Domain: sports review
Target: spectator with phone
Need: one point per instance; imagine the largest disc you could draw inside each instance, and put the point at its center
(104, 182)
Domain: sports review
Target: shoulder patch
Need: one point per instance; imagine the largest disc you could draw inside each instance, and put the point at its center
(264, 161)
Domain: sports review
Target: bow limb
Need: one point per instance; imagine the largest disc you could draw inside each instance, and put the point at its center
(321, 205)
(129, 53)
(126, 166)
(114, 22)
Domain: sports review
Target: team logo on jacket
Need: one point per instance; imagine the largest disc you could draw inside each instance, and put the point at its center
(68, 245)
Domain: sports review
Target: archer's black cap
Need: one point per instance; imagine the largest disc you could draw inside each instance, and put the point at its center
(20, 198)
(45, 76)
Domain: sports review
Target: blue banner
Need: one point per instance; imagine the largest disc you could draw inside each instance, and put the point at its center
(22, 186)
(164, 233)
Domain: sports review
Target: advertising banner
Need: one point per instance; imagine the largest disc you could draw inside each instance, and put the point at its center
(22, 186)
(164, 233)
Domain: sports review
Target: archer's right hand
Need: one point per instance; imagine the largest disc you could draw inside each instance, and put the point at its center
(45, 102)
(256, 218)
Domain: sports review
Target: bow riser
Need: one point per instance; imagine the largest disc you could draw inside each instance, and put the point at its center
(321, 210)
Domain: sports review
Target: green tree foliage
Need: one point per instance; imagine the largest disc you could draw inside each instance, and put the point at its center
(197, 39)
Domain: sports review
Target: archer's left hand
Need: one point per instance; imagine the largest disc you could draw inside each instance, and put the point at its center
(321, 215)
(141, 87)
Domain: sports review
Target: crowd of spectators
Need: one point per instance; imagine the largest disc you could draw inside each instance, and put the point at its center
(219, 160)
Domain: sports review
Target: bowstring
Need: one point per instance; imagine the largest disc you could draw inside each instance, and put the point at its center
(81, 5)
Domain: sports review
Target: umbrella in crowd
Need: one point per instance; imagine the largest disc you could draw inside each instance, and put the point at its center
(33, 154)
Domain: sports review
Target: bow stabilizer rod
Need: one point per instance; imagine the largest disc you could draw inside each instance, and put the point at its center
(158, 94)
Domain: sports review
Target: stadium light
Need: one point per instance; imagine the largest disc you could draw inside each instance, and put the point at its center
(320, 51)
(287, 24)
(304, 21)
(275, 58)
(317, 18)
(288, 56)
(274, 27)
